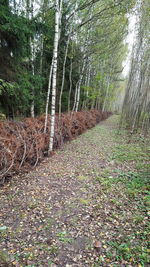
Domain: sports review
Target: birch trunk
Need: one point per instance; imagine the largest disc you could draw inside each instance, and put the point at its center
(93, 104)
(64, 64)
(48, 94)
(44, 7)
(63, 78)
(33, 73)
(41, 55)
(15, 6)
(75, 97)
(84, 63)
(84, 93)
(32, 107)
(70, 89)
(79, 87)
(87, 85)
(29, 15)
(104, 104)
(54, 76)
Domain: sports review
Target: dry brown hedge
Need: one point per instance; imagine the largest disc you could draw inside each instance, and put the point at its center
(23, 144)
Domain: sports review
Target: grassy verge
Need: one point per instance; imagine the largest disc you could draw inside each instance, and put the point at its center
(128, 186)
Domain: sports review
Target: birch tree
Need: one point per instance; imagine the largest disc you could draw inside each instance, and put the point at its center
(136, 107)
(48, 95)
(70, 88)
(78, 88)
(54, 75)
(85, 50)
(27, 37)
(29, 15)
(65, 58)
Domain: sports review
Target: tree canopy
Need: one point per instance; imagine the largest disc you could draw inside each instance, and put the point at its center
(91, 49)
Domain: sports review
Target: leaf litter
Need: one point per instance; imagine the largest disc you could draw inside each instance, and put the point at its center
(74, 209)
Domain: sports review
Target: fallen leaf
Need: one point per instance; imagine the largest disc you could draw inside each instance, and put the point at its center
(97, 244)
(2, 228)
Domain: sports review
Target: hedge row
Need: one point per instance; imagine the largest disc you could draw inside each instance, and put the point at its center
(23, 144)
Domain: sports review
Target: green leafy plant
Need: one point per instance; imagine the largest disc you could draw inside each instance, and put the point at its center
(62, 236)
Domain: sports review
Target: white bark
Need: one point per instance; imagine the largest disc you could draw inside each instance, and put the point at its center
(44, 7)
(33, 73)
(106, 96)
(83, 67)
(89, 76)
(60, 16)
(70, 89)
(54, 76)
(75, 97)
(63, 78)
(48, 94)
(79, 87)
(41, 55)
(64, 64)
(29, 15)
(93, 104)
(84, 93)
(87, 85)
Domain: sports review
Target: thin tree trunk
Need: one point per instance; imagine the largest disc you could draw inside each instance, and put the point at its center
(43, 10)
(54, 76)
(93, 102)
(15, 6)
(41, 55)
(104, 104)
(75, 97)
(79, 87)
(64, 64)
(48, 94)
(87, 85)
(70, 89)
(33, 73)
(29, 15)
(32, 107)
(63, 78)
(83, 68)
(84, 93)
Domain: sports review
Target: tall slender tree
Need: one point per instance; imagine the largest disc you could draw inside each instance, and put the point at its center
(136, 107)
(58, 8)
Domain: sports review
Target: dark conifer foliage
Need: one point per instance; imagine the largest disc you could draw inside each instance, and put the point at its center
(26, 51)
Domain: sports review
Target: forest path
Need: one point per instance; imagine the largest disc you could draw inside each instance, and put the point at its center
(58, 214)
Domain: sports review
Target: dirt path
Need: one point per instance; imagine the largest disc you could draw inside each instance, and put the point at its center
(71, 203)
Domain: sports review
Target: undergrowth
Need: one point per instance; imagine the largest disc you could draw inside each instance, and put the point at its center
(24, 143)
(130, 182)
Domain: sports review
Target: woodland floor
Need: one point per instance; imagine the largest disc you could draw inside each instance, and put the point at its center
(92, 192)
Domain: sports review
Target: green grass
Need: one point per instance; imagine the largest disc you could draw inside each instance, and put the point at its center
(127, 251)
(63, 237)
(136, 183)
(132, 180)
(106, 183)
(128, 152)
